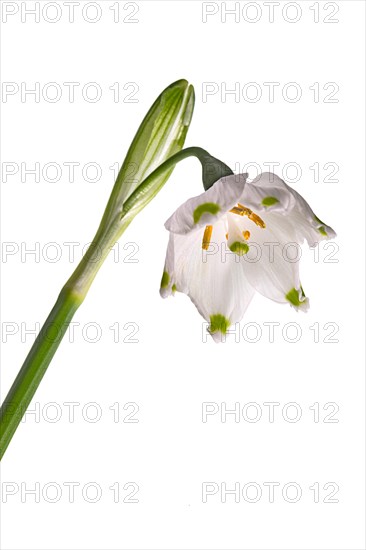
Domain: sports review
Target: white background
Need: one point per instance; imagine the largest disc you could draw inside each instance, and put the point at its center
(172, 370)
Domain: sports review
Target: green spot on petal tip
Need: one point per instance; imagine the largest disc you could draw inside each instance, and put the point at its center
(269, 201)
(205, 208)
(294, 297)
(165, 280)
(219, 323)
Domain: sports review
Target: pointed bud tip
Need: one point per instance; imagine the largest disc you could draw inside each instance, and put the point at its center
(181, 83)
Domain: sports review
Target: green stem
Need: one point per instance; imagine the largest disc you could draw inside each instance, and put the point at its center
(35, 365)
(136, 202)
(70, 298)
(212, 170)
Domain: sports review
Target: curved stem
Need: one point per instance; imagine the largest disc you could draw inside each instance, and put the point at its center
(212, 170)
(135, 201)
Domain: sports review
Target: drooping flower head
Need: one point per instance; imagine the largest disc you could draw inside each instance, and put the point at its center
(237, 238)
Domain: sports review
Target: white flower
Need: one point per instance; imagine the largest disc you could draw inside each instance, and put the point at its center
(235, 239)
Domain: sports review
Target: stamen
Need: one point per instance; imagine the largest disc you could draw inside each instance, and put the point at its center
(207, 237)
(246, 235)
(238, 211)
(257, 220)
(227, 236)
(244, 211)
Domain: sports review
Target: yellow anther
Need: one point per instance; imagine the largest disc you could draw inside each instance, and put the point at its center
(246, 235)
(244, 211)
(207, 237)
(227, 236)
(257, 220)
(237, 210)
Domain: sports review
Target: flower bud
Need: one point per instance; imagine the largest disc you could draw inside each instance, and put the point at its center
(161, 134)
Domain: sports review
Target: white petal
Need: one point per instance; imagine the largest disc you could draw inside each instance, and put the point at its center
(167, 280)
(307, 225)
(267, 193)
(213, 279)
(272, 262)
(208, 207)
